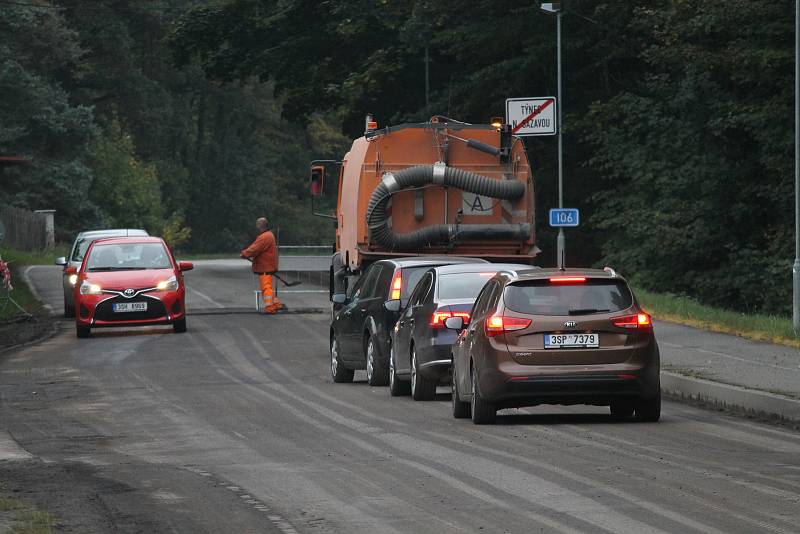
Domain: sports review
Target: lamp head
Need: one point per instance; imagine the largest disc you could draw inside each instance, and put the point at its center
(551, 7)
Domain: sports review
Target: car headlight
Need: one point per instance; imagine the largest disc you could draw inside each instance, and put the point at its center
(73, 279)
(88, 288)
(168, 285)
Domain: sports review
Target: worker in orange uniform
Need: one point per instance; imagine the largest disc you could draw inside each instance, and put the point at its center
(263, 252)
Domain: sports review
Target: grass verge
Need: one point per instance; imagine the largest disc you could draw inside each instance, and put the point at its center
(25, 519)
(689, 312)
(48, 257)
(21, 293)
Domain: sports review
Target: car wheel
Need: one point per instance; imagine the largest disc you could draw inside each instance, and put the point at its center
(461, 409)
(339, 372)
(622, 408)
(649, 410)
(179, 326)
(483, 413)
(397, 387)
(422, 388)
(69, 309)
(377, 374)
(82, 331)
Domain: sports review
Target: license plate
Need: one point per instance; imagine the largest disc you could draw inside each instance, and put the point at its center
(559, 341)
(123, 307)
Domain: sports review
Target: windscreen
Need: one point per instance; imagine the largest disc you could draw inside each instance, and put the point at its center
(80, 249)
(462, 285)
(128, 256)
(542, 297)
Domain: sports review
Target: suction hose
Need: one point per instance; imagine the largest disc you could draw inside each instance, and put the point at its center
(441, 234)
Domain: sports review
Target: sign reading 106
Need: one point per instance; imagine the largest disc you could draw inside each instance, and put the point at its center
(564, 217)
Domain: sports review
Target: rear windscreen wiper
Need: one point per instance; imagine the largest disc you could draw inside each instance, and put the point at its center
(585, 311)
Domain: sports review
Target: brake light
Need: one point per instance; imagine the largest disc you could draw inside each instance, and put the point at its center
(397, 285)
(639, 321)
(500, 324)
(568, 280)
(439, 317)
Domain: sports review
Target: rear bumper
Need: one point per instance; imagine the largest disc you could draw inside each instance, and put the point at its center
(519, 386)
(434, 361)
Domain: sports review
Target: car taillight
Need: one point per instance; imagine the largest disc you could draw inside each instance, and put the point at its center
(500, 324)
(397, 284)
(638, 321)
(439, 317)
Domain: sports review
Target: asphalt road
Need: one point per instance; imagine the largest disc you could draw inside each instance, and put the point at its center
(235, 426)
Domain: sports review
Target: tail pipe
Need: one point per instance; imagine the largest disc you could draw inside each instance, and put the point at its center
(441, 234)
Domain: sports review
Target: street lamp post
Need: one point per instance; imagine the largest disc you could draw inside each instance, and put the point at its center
(555, 7)
(796, 267)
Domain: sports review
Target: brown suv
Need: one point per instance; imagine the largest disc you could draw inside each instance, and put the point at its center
(556, 337)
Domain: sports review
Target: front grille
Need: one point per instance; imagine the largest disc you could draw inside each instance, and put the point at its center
(105, 310)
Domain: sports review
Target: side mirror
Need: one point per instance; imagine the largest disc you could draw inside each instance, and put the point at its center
(392, 305)
(339, 298)
(62, 261)
(317, 184)
(71, 270)
(454, 323)
(185, 266)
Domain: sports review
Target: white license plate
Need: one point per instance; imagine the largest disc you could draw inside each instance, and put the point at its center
(123, 307)
(560, 341)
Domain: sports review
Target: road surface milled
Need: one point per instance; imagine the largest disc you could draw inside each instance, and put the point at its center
(241, 411)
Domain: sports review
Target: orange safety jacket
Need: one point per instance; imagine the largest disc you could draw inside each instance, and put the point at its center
(264, 253)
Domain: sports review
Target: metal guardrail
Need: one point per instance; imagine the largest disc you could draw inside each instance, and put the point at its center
(306, 247)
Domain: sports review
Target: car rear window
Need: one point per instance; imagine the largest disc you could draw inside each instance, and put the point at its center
(542, 297)
(462, 285)
(411, 277)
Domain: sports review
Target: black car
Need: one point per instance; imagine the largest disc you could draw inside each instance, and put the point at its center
(420, 357)
(363, 318)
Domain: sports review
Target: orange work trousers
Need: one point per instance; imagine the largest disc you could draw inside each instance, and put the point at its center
(271, 301)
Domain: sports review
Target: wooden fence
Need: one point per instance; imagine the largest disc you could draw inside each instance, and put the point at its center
(24, 230)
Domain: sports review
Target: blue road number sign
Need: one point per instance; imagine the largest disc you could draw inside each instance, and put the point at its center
(564, 217)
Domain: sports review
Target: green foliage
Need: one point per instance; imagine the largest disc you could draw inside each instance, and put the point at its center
(38, 120)
(678, 114)
(127, 189)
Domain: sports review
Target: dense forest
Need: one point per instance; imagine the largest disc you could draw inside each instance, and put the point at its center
(190, 117)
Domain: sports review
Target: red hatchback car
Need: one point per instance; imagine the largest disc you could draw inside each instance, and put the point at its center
(130, 281)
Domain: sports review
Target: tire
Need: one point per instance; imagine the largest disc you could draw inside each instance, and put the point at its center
(69, 309)
(339, 372)
(649, 410)
(377, 374)
(179, 326)
(82, 331)
(483, 413)
(461, 409)
(622, 409)
(422, 388)
(397, 387)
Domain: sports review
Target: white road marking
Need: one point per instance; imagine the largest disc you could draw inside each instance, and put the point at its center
(27, 279)
(209, 299)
